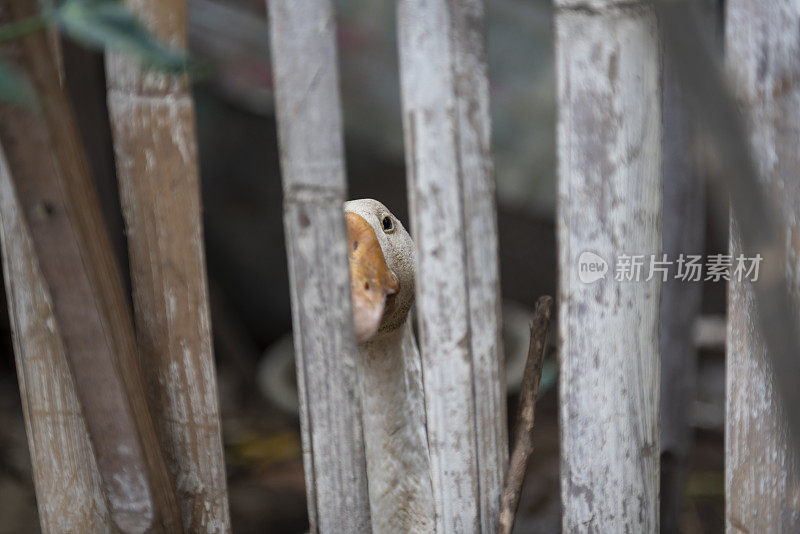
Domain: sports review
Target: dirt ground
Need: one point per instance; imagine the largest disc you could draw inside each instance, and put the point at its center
(265, 475)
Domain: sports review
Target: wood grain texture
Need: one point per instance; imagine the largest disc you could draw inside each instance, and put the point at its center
(312, 164)
(740, 181)
(153, 126)
(446, 124)
(48, 166)
(69, 491)
(609, 203)
(762, 480)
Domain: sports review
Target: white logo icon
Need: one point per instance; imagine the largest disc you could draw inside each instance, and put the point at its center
(591, 267)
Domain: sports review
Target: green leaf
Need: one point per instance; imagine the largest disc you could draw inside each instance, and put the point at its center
(14, 88)
(110, 24)
(21, 28)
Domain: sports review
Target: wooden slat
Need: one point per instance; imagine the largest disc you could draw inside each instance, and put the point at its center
(451, 190)
(312, 163)
(762, 480)
(609, 192)
(69, 492)
(48, 166)
(85, 85)
(153, 126)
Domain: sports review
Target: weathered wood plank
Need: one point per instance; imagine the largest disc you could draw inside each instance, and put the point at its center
(736, 176)
(761, 471)
(69, 492)
(451, 190)
(312, 163)
(153, 128)
(48, 167)
(609, 203)
(85, 85)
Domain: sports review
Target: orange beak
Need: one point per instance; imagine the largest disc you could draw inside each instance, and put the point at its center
(371, 280)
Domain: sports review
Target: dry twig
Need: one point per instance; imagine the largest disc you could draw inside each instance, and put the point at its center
(523, 431)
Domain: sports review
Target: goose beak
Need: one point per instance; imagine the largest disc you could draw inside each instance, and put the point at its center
(371, 280)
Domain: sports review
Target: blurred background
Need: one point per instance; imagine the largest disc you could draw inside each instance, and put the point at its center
(247, 263)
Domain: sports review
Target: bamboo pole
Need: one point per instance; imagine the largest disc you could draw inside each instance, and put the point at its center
(762, 479)
(737, 180)
(84, 82)
(47, 165)
(312, 163)
(69, 491)
(446, 122)
(152, 119)
(609, 185)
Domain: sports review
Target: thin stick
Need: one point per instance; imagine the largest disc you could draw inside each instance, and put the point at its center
(523, 431)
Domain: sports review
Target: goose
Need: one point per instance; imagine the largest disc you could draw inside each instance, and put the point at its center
(382, 273)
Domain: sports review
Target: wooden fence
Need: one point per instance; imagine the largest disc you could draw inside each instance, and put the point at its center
(609, 187)
(147, 404)
(446, 123)
(761, 470)
(152, 120)
(146, 455)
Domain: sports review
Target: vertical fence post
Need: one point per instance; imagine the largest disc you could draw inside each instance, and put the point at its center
(153, 128)
(609, 201)
(48, 167)
(762, 481)
(69, 492)
(312, 163)
(446, 122)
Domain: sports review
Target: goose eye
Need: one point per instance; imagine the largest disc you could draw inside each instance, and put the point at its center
(387, 224)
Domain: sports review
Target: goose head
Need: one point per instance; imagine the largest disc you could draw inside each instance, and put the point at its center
(381, 268)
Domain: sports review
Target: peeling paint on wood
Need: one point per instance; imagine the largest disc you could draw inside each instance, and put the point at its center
(609, 202)
(446, 122)
(761, 472)
(153, 127)
(312, 163)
